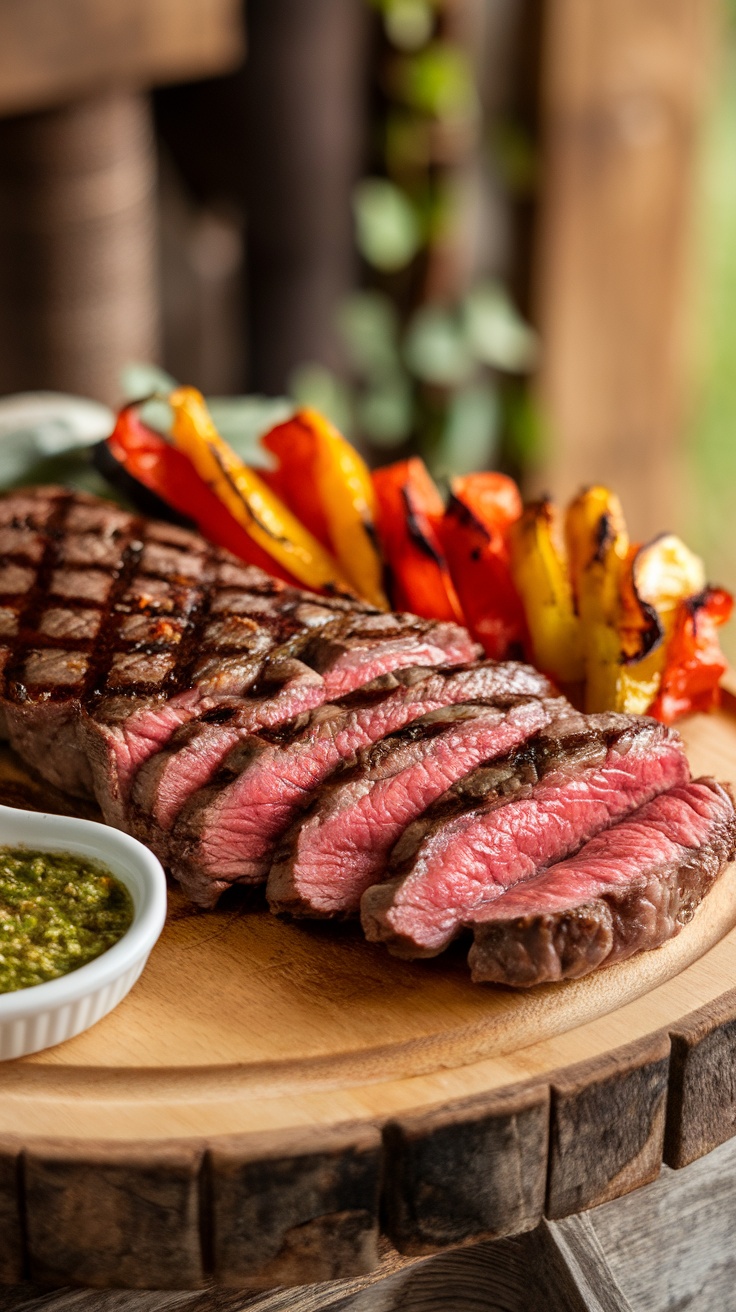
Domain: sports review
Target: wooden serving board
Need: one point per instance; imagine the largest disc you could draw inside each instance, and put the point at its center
(272, 1096)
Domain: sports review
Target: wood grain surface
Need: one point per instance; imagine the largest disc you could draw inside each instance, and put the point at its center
(625, 87)
(467, 1170)
(56, 51)
(669, 1246)
(237, 1116)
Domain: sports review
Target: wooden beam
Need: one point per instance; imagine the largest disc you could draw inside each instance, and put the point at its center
(54, 51)
(78, 278)
(623, 94)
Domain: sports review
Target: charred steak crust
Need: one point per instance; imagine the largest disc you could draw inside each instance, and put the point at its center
(629, 889)
(505, 822)
(117, 629)
(342, 656)
(106, 615)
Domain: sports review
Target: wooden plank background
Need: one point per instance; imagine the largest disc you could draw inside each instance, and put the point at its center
(624, 90)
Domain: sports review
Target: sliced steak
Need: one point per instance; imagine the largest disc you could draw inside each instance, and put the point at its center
(576, 778)
(342, 845)
(227, 832)
(630, 888)
(117, 629)
(335, 661)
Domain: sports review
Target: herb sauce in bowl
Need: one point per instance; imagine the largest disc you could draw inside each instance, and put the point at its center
(57, 912)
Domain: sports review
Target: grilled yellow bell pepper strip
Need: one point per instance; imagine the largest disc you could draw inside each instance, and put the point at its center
(540, 573)
(337, 480)
(268, 521)
(597, 547)
(657, 577)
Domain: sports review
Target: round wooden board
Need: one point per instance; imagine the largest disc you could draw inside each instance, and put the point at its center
(243, 1108)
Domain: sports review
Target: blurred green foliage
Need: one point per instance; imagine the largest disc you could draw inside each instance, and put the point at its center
(712, 444)
(428, 372)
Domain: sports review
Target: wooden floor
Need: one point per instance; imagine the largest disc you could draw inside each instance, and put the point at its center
(670, 1247)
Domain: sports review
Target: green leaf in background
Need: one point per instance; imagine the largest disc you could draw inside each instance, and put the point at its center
(314, 385)
(495, 331)
(242, 421)
(369, 326)
(387, 230)
(138, 379)
(408, 23)
(45, 436)
(385, 412)
(472, 431)
(436, 350)
(439, 81)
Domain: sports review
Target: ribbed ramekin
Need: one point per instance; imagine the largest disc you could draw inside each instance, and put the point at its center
(39, 1017)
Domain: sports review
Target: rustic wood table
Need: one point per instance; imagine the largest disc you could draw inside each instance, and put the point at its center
(669, 1247)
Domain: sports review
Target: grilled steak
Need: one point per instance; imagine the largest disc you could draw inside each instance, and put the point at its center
(630, 888)
(577, 777)
(342, 845)
(227, 832)
(118, 629)
(333, 662)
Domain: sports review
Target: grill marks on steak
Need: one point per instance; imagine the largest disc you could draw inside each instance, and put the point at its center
(342, 845)
(333, 662)
(576, 778)
(118, 630)
(630, 888)
(123, 688)
(228, 831)
(134, 651)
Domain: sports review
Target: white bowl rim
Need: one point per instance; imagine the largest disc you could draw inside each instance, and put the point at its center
(72, 834)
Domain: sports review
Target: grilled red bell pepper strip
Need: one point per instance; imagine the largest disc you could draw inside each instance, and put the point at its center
(327, 485)
(293, 444)
(474, 533)
(408, 506)
(694, 664)
(148, 459)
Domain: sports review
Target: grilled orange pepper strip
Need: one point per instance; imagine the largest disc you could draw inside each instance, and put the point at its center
(338, 483)
(254, 506)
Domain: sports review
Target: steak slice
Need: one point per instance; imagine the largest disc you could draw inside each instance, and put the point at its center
(343, 843)
(342, 657)
(579, 776)
(630, 888)
(228, 831)
(116, 629)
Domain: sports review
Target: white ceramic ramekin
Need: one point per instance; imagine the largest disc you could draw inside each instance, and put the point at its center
(39, 1017)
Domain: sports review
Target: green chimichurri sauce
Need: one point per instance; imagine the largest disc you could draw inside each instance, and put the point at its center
(57, 912)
